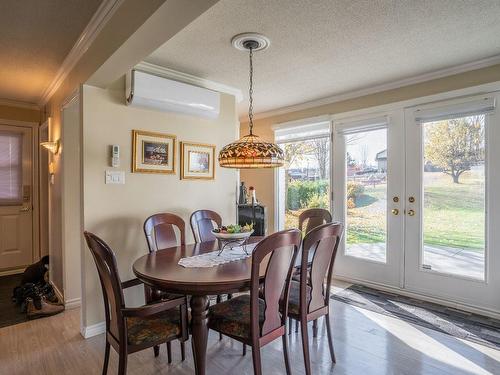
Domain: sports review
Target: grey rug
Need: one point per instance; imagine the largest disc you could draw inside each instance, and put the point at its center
(10, 313)
(457, 323)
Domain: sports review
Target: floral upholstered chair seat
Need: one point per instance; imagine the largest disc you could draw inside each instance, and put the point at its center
(232, 317)
(294, 298)
(161, 327)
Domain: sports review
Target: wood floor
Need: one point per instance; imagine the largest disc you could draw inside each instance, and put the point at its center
(365, 342)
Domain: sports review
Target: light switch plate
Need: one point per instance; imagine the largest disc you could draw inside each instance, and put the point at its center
(115, 177)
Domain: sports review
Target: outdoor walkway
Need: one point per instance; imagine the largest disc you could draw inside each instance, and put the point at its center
(447, 260)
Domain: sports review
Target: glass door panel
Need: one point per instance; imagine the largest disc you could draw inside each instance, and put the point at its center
(454, 196)
(366, 195)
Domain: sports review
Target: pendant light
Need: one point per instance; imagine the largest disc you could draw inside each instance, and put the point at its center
(250, 151)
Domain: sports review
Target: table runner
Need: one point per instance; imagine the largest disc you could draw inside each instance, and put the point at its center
(213, 258)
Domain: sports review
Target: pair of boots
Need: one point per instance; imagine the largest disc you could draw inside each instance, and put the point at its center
(42, 307)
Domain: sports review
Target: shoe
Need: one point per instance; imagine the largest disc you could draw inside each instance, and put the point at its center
(47, 309)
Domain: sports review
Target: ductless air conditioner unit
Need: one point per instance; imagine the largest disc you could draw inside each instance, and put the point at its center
(148, 90)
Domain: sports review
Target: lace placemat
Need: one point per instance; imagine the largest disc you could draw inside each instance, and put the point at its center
(213, 258)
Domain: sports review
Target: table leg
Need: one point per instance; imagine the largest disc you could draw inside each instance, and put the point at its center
(199, 332)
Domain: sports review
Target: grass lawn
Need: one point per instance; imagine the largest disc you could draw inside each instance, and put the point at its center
(453, 213)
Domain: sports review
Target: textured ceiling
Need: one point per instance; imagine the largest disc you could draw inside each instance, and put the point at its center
(35, 37)
(323, 47)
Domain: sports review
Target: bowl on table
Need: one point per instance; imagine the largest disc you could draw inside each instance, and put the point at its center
(232, 236)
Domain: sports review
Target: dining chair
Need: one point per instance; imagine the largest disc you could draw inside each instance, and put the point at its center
(159, 230)
(131, 329)
(309, 297)
(259, 318)
(313, 217)
(202, 223)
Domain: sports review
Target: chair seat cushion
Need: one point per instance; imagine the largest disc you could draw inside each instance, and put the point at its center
(294, 297)
(232, 317)
(158, 328)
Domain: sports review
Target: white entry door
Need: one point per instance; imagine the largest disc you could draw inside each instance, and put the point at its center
(16, 217)
(452, 244)
(368, 183)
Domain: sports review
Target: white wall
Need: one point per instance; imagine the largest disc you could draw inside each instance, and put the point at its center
(116, 212)
(71, 202)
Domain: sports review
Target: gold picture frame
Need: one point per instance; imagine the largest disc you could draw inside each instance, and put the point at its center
(197, 161)
(153, 152)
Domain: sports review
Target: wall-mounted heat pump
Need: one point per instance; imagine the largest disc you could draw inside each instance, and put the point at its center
(148, 90)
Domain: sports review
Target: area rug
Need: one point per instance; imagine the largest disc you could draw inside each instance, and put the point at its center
(457, 323)
(10, 313)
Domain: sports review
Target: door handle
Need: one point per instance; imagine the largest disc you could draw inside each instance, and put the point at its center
(25, 209)
(395, 211)
(411, 213)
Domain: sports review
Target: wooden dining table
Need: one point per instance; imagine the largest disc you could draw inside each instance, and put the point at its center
(161, 270)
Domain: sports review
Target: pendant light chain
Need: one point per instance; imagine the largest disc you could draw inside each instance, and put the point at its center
(250, 92)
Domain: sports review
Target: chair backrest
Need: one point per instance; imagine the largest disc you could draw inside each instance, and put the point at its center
(314, 217)
(202, 224)
(110, 282)
(324, 242)
(281, 247)
(160, 233)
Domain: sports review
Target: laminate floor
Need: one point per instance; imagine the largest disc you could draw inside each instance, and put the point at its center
(366, 343)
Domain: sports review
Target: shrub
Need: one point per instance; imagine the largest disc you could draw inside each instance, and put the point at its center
(319, 201)
(350, 203)
(354, 190)
(300, 192)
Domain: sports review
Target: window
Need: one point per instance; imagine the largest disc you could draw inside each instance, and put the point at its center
(304, 182)
(10, 168)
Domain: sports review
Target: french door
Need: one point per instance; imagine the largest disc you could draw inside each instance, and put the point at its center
(368, 181)
(417, 190)
(452, 207)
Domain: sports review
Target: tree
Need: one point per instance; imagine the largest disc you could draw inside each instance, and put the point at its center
(322, 154)
(455, 145)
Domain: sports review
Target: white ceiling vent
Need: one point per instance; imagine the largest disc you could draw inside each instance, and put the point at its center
(151, 91)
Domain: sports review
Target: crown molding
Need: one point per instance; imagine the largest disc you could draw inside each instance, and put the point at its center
(19, 104)
(82, 44)
(188, 78)
(441, 73)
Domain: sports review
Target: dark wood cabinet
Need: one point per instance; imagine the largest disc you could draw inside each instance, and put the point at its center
(253, 213)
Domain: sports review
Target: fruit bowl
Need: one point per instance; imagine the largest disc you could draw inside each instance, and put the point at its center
(232, 236)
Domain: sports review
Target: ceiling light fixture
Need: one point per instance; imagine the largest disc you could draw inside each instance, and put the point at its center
(250, 151)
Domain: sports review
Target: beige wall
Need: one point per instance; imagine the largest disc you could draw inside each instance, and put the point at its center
(117, 212)
(263, 180)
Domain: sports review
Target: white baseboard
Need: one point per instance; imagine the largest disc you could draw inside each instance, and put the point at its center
(73, 303)
(423, 297)
(93, 330)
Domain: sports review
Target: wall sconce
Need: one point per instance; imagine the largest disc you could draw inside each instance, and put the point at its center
(51, 173)
(53, 147)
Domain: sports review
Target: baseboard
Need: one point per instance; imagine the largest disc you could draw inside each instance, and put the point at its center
(93, 330)
(73, 303)
(423, 297)
(57, 292)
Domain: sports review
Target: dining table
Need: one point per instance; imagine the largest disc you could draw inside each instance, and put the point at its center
(160, 270)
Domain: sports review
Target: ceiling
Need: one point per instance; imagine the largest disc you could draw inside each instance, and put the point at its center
(35, 37)
(321, 48)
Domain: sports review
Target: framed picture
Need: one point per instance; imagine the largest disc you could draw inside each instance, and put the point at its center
(197, 161)
(153, 152)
